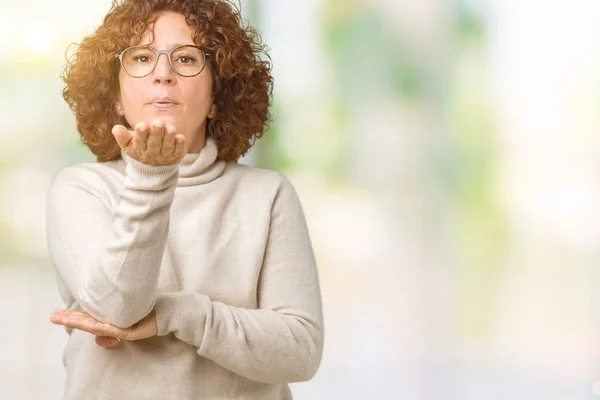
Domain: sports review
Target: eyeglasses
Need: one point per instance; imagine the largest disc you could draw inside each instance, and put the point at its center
(140, 61)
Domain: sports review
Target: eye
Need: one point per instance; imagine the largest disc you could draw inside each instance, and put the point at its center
(141, 59)
(183, 59)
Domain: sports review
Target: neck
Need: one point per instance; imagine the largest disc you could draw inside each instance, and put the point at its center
(197, 143)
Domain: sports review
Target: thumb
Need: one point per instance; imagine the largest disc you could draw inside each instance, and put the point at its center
(122, 135)
(107, 341)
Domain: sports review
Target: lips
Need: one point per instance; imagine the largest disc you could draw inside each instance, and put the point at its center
(163, 103)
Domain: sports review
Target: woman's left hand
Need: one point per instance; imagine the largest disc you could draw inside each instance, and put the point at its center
(107, 335)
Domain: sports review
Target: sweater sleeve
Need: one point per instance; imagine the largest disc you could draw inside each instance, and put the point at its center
(109, 262)
(282, 340)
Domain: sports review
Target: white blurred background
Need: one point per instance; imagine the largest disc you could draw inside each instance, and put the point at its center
(447, 154)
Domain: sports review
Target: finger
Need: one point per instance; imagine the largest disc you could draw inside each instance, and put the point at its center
(122, 136)
(142, 131)
(156, 136)
(80, 323)
(73, 313)
(107, 341)
(168, 144)
(69, 314)
(56, 319)
(85, 322)
(180, 146)
(60, 314)
(75, 317)
(140, 137)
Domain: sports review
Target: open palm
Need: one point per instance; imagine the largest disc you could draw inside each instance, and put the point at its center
(107, 335)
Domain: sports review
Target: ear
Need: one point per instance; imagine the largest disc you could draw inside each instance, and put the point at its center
(119, 108)
(213, 111)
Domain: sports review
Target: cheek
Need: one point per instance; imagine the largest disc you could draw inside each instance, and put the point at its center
(200, 94)
(130, 92)
(128, 95)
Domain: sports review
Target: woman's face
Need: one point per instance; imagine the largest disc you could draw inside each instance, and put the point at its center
(184, 102)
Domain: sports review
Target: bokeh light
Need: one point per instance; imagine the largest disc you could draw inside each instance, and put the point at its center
(447, 156)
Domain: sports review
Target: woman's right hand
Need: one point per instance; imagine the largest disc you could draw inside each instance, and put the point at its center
(155, 144)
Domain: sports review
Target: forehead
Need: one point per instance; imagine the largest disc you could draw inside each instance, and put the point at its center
(168, 28)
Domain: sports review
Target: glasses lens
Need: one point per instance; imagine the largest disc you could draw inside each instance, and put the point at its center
(188, 60)
(139, 61)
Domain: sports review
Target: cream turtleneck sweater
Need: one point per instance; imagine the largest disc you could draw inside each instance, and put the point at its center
(220, 250)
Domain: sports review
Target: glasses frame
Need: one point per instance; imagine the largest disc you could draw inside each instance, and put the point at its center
(158, 53)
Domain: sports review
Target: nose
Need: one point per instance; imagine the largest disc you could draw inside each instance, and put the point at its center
(163, 72)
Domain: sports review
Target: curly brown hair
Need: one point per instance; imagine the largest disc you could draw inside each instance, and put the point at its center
(241, 67)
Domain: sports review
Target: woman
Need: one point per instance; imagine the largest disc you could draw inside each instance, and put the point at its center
(185, 275)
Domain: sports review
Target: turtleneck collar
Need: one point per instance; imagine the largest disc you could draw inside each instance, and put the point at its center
(197, 168)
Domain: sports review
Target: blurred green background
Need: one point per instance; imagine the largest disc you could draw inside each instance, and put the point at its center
(447, 157)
